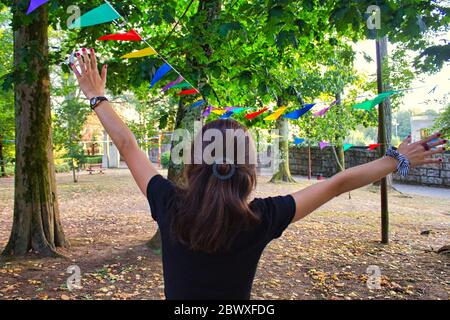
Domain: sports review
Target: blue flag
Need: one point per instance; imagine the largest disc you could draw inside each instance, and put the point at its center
(160, 73)
(298, 141)
(197, 103)
(227, 115)
(298, 113)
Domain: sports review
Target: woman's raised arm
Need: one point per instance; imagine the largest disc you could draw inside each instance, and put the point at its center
(93, 85)
(311, 198)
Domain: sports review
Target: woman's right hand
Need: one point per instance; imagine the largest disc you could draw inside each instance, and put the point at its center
(420, 152)
(91, 82)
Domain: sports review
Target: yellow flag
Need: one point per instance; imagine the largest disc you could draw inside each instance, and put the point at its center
(276, 114)
(140, 53)
(219, 111)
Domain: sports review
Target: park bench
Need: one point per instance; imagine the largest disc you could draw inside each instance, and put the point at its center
(93, 167)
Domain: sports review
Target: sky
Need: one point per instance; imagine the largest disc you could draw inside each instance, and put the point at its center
(418, 99)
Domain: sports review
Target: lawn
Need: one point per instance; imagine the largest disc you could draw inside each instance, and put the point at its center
(325, 256)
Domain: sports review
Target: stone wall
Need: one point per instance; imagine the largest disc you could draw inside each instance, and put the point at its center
(324, 163)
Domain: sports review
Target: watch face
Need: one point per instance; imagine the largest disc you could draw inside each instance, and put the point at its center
(93, 101)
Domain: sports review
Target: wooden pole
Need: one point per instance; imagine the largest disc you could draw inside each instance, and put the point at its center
(382, 141)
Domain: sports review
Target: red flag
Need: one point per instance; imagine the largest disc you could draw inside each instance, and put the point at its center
(129, 36)
(186, 92)
(374, 146)
(253, 115)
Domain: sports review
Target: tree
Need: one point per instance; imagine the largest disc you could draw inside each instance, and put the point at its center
(442, 122)
(69, 121)
(6, 96)
(36, 224)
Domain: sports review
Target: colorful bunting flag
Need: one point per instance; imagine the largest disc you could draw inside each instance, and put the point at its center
(239, 110)
(374, 146)
(181, 85)
(160, 73)
(207, 112)
(129, 36)
(197, 104)
(369, 104)
(171, 84)
(253, 115)
(298, 141)
(34, 4)
(276, 114)
(186, 92)
(219, 111)
(347, 146)
(298, 113)
(139, 54)
(323, 145)
(102, 14)
(227, 115)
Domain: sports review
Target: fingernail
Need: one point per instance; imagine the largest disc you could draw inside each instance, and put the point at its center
(444, 141)
(439, 134)
(84, 49)
(78, 54)
(92, 49)
(440, 160)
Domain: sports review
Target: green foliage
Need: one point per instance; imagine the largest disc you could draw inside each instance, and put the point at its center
(442, 123)
(165, 159)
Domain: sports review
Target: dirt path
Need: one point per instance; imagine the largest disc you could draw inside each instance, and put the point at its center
(325, 256)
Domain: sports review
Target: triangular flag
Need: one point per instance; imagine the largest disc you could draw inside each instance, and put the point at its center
(171, 84)
(129, 36)
(298, 141)
(298, 113)
(366, 105)
(197, 104)
(227, 115)
(325, 110)
(102, 14)
(369, 104)
(219, 111)
(374, 146)
(207, 112)
(347, 146)
(253, 115)
(139, 54)
(160, 73)
(276, 114)
(186, 92)
(239, 110)
(323, 145)
(181, 85)
(34, 4)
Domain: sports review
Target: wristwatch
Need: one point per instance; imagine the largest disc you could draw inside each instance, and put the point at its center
(94, 102)
(403, 165)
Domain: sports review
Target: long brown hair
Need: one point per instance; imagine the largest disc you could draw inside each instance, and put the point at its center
(210, 210)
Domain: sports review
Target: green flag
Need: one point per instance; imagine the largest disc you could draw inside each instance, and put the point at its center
(369, 104)
(347, 146)
(104, 13)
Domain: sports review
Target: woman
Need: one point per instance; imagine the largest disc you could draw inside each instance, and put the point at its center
(212, 237)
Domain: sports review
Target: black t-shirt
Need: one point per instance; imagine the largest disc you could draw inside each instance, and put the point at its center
(197, 275)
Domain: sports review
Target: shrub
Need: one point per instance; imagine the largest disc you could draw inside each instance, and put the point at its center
(93, 160)
(62, 167)
(165, 159)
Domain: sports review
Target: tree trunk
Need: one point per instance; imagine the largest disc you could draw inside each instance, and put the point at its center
(2, 159)
(36, 224)
(283, 173)
(381, 46)
(186, 116)
(74, 173)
